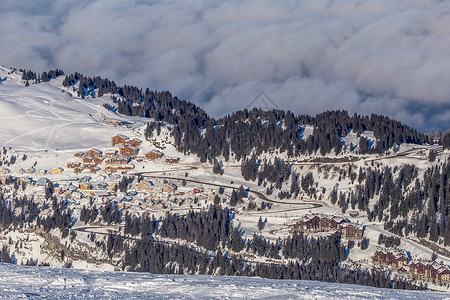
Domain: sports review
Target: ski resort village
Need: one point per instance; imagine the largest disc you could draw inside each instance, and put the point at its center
(91, 180)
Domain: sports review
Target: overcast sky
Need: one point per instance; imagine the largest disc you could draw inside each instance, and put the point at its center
(367, 56)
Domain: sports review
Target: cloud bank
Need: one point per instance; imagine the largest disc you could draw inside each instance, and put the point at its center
(366, 56)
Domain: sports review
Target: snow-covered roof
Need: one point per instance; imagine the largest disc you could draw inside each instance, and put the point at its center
(85, 179)
(122, 136)
(173, 185)
(155, 151)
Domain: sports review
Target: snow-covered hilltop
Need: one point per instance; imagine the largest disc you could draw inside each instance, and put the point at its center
(47, 117)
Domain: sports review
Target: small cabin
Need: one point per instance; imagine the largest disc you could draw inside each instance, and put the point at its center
(4, 171)
(86, 186)
(112, 169)
(354, 214)
(94, 170)
(80, 154)
(169, 188)
(42, 181)
(172, 160)
(145, 186)
(72, 165)
(57, 170)
(31, 170)
(435, 149)
(154, 154)
(98, 160)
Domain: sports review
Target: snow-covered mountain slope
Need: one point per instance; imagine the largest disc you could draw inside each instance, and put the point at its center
(46, 117)
(53, 283)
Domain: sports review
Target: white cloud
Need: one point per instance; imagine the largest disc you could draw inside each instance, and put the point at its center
(383, 56)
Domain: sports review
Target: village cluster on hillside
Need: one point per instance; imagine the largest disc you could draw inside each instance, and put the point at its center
(113, 160)
(400, 262)
(100, 177)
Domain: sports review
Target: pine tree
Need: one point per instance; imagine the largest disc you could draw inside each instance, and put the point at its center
(234, 198)
(364, 243)
(260, 224)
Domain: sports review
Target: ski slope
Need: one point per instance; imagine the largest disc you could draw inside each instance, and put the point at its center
(46, 117)
(54, 283)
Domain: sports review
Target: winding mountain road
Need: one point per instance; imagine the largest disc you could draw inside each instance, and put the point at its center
(257, 193)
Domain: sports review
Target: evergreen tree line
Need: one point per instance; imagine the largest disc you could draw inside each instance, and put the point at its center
(244, 132)
(5, 255)
(388, 240)
(317, 259)
(445, 140)
(377, 183)
(133, 101)
(277, 171)
(28, 213)
(431, 205)
(406, 203)
(150, 255)
(44, 77)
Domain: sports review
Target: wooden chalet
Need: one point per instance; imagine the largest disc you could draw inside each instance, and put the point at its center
(87, 159)
(134, 142)
(79, 154)
(85, 186)
(172, 160)
(126, 167)
(351, 231)
(318, 223)
(169, 188)
(429, 271)
(112, 168)
(154, 154)
(4, 171)
(98, 160)
(390, 258)
(57, 170)
(94, 170)
(110, 153)
(119, 139)
(117, 160)
(94, 153)
(354, 213)
(325, 223)
(89, 165)
(72, 165)
(145, 186)
(130, 151)
(111, 161)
